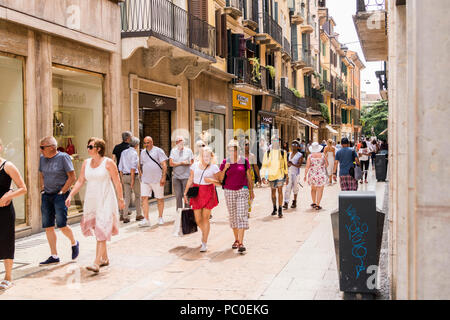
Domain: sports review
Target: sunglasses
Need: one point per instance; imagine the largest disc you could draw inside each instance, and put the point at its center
(90, 147)
(43, 147)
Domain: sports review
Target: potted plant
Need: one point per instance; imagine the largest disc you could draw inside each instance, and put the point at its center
(271, 70)
(296, 92)
(256, 73)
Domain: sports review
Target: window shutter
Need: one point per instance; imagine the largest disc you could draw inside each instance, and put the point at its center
(218, 33)
(224, 36)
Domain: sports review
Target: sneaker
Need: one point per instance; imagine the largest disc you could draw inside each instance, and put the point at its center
(160, 221)
(144, 223)
(294, 204)
(49, 261)
(126, 220)
(280, 212)
(285, 205)
(75, 250)
(241, 248)
(203, 248)
(139, 218)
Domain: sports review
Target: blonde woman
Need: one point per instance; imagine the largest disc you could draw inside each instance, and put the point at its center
(203, 175)
(8, 173)
(101, 212)
(330, 154)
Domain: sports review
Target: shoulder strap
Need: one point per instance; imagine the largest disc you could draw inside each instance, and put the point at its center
(202, 174)
(3, 165)
(153, 159)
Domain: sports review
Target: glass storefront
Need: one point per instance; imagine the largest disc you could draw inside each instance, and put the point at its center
(77, 115)
(12, 122)
(210, 127)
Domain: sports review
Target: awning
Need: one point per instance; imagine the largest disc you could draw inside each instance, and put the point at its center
(331, 129)
(306, 122)
(384, 131)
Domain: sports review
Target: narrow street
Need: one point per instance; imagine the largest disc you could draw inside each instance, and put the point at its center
(288, 258)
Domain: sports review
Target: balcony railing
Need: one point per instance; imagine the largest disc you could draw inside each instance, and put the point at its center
(316, 94)
(370, 5)
(287, 46)
(168, 22)
(288, 97)
(272, 28)
(351, 102)
(328, 86)
(337, 119)
(244, 71)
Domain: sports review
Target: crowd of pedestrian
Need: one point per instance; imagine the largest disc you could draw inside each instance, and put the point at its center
(112, 183)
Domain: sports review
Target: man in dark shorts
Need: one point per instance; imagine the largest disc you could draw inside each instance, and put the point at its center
(56, 176)
(346, 156)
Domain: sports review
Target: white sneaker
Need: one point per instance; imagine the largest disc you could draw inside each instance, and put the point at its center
(203, 248)
(160, 221)
(144, 223)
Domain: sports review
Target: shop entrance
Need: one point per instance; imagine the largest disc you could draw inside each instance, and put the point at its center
(155, 114)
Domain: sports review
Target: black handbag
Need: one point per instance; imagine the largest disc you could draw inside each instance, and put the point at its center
(188, 224)
(193, 191)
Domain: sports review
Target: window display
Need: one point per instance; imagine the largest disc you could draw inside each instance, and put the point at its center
(12, 123)
(77, 116)
(210, 127)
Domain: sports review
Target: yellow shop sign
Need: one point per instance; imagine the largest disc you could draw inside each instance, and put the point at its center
(242, 100)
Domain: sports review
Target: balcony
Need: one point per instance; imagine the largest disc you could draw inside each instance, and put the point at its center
(250, 19)
(272, 35)
(310, 63)
(248, 78)
(308, 25)
(234, 8)
(268, 83)
(351, 102)
(337, 121)
(286, 52)
(147, 23)
(370, 22)
(290, 99)
(328, 86)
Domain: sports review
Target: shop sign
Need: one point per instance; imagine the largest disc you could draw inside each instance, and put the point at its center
(151, 101)
(242, 100)
(266, 119)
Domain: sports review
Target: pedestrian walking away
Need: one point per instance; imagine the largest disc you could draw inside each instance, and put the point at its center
(330, 153)
(101, 206)
(316, 174)
(8, 173)
(117, 153)
(56, 176)
(180, 159)
(274, 169)
(153, 163)
(295, 160)
(364, 154)
(237, 182)
(346, 158)
(131, 181)
(203, 175)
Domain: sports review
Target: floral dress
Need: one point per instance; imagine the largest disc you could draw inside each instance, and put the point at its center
(317, 174)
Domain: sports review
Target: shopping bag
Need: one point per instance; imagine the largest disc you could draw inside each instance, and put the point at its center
(177, 230)
(70, 149)
(188, 224)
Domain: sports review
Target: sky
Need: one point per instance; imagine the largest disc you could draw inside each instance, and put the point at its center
(342, 12)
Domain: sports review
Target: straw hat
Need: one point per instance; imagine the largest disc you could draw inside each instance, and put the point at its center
(315, 147)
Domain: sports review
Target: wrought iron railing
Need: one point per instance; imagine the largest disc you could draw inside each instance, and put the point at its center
(272, 28)
(289, 97)
(287, 46)
(370, 5)
(163, 19)
(328, 85)
(244, 71)
(317, 94)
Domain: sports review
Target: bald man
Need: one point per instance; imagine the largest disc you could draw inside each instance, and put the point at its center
(153, 164)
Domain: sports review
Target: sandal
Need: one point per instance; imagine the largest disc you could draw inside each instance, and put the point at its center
(318, 208)
(313, 205)
(235, 244)
(94, 268)
(104, 263)
(5, 285)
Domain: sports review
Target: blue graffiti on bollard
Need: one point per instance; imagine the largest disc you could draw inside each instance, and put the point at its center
(356, 231)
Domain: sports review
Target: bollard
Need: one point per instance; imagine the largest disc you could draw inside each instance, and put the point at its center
(357, 232)
(381, 166)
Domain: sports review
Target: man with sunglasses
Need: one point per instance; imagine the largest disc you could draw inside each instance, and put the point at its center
(56, 176)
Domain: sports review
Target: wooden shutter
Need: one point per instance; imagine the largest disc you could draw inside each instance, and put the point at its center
(218, 33)
(199, 8)
(224, 36)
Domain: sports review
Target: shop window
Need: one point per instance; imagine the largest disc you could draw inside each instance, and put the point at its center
(77, 116)
(210, 127)
(12, 123)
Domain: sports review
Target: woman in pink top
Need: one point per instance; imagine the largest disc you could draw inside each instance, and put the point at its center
(237, 183)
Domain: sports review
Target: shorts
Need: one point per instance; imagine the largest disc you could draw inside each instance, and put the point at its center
(53, 207)
(147, 188)
(276, 183)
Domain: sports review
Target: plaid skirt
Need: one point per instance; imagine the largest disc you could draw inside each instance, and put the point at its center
(348, 183)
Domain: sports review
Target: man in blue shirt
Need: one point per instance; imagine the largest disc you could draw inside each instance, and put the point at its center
(346, 157)
(56, 176)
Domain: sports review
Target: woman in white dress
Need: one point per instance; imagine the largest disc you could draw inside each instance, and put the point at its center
(101, 212)
(330, 154)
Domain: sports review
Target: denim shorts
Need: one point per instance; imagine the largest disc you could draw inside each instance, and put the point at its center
(53, 208)
(277, 183)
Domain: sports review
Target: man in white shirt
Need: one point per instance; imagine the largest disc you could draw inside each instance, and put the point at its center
(129, 173)
(154, 169)
(295, 160)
